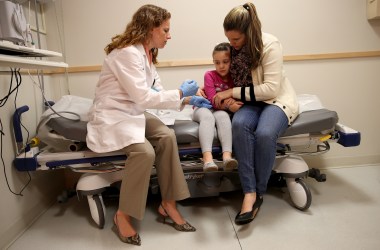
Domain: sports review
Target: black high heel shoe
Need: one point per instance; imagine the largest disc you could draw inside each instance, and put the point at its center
(133, 240)
(186, 227)
(247, 217)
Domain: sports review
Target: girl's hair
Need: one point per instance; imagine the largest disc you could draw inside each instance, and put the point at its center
(137, 31)
(221, 47)
(245, 20)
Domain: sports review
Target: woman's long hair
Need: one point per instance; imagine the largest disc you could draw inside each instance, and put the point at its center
(138, 29)
(244, 19)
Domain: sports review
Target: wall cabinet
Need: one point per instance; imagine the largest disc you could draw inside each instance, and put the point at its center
(373, 9)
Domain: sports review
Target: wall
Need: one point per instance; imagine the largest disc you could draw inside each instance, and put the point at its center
(18, 212)
(196, 26)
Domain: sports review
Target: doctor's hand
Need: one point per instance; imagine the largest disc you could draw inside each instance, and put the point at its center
(200, 102)
(189, 88)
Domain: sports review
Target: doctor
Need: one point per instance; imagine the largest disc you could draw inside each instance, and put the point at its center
(127, 86)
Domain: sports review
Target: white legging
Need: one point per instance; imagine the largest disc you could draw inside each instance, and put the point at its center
(207, 120)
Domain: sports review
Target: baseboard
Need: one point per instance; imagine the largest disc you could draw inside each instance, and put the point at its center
(321, 162)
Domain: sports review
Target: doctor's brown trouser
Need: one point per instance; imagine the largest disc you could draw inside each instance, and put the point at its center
(160, 148)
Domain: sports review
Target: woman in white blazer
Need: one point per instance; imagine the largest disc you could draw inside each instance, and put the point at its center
(127, 86)
(270, 103)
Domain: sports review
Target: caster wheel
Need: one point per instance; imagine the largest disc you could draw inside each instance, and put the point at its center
(299, 193)
(64, 196)
(97, 209)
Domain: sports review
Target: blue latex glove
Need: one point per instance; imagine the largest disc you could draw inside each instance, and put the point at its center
(200, 102)
(189, 88)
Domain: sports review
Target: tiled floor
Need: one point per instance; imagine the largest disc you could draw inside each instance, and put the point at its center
(345, 214)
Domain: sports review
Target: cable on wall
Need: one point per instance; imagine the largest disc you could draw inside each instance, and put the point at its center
(15, 75)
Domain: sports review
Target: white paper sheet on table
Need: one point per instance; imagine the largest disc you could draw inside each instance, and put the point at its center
(168, 116)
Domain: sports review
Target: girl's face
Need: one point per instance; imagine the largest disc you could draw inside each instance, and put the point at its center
(222, 62)
(161, 35)
(236, 38)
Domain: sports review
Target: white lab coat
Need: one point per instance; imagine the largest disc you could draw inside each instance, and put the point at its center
(124, 91)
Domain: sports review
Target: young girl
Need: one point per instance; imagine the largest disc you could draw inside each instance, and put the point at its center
(215, 81)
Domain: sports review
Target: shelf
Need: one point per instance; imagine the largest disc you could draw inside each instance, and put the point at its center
(17, 56)
(8, 48)
(29, 63)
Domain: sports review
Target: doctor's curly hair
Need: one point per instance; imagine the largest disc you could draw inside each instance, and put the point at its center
(144, 20)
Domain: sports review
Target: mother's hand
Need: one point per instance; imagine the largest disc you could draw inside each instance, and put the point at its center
(220, 96)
